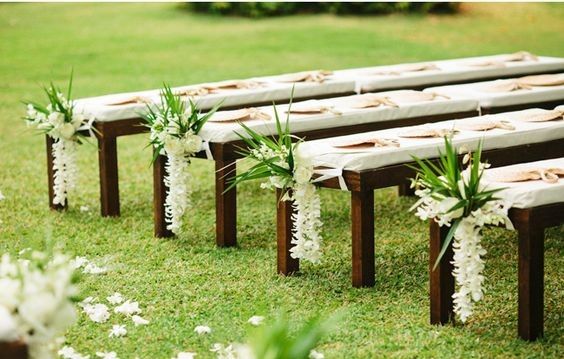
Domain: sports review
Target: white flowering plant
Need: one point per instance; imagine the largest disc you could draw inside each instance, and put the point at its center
(67, 127)
(278, 159)
(175, 134)
(37, 301)
(456, 197)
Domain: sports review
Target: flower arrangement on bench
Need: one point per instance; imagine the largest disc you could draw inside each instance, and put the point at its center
(457, 198)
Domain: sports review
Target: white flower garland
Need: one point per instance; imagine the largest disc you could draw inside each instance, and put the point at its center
(177, 201)
(63, 125)
(178, 148)
(306, 223)
(468, 251)
(65, 170)
(306, 219)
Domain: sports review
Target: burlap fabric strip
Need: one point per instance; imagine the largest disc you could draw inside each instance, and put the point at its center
(305, 76)
(244, 114)
(541, 116)
(407, 68)
(548, 175)
(424, 132)
(365, 143)
(367, 101)
(132, 100)
(485, 125)
(312, 107)
(501, 61)
(409, 96)
(525, 83)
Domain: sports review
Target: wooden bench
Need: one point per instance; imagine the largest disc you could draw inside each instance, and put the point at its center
(368, 170)
(546, 97)
(530, 216)
(224, 144)
(117, 121)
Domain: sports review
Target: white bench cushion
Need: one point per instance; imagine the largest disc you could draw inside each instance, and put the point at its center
(324, 154)
(528, 194)
(456, 70)
(225, 132)
(273, 91)
(497, 99)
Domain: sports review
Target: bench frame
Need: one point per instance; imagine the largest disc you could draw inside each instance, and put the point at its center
(362, 184)
(225, 156)
(108, 132)
(530, 224)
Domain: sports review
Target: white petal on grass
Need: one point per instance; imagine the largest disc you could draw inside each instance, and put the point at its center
(202, 329)
(185, 355)
(84, 209)
(255, 320)
(79, 262)
(98, 313)
(115, 298)
(128, 308)
(314, 354)
(92, 268)
(2, 197)
(107, 355)
(139, 320)
(118, 331)
(67, 352)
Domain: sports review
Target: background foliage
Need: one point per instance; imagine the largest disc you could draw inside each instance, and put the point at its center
(262, 9)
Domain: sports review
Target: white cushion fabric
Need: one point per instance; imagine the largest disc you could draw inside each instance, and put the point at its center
(456, 70)
(98, 108)
(323, 154)
(225, 132)
(528, 194)
(478, 91)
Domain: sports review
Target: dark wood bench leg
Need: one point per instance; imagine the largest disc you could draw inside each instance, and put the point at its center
(109, 184)
(50, 176)
(405, 190)
(362, 228)
(286, 264)
(531, 281)
(159, 197)
(441, 278)
(225, 204)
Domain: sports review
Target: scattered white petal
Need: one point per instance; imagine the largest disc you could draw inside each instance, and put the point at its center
(128, 308)
(314, 354)
(255, 320)
(67, 352)
(185, 355)
(224, 352)
(92, 268)
(107, 355)
(2, 197)
(118, 331)
(85, 209)
(115, 298)
(79, 262)
(97, 312)
(86, 301)
(139, 320)
(202, 329)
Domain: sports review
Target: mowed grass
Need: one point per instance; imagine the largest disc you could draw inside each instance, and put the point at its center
(187, 281)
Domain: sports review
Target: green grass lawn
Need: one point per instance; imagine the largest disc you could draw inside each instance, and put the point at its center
(187, 281)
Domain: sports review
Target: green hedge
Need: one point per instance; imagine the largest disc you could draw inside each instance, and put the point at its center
(263, 9)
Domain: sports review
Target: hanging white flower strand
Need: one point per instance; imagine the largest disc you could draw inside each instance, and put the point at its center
(59, 121)
(174, 134)
(279, 161)
(456, 199)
